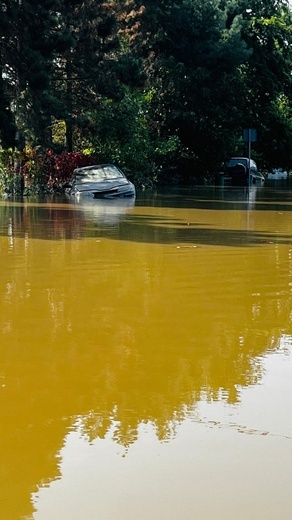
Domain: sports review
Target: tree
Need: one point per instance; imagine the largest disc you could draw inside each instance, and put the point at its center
(268, 79)
(58, 59)
(7, 126)
(192, 57)
(192, 73)
(30, 39)
(85, 72)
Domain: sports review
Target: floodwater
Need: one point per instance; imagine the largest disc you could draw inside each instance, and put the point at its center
(146, 357)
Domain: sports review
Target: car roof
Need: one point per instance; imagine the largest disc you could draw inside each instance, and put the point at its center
(246, 159)
(237, 158)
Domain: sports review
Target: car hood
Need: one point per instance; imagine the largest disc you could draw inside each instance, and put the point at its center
(102, 186)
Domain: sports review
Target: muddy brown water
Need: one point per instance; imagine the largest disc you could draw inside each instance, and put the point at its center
(145, 356)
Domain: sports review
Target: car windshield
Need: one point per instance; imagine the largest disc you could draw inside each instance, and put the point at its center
(234, 162)
(98, 174)
(244, 161)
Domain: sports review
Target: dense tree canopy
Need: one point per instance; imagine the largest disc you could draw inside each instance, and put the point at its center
(159, 87)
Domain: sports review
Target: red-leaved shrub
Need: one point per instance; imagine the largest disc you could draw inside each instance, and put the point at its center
(59, 168)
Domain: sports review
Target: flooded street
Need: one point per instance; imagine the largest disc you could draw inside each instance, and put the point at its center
(146, 357)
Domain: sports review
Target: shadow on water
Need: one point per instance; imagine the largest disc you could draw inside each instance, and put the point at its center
(276, 198)
(137, 220)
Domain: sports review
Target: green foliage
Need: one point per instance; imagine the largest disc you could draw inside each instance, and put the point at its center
(11, 180)
(198, 88)
(124, 134)
(277, 134)
(155, 87)
(86, 71)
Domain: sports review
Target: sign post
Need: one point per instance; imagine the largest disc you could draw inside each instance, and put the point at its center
(249, 136)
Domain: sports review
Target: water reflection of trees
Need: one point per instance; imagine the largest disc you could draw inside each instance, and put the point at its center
(57, 220)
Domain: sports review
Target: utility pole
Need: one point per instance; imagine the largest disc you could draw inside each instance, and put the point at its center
(249, 136)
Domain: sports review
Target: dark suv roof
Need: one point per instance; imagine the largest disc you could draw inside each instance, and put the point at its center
(233, 161)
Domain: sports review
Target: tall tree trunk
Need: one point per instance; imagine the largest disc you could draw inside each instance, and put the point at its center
(69, 106)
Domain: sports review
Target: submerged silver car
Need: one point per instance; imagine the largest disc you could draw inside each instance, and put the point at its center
(100, 181)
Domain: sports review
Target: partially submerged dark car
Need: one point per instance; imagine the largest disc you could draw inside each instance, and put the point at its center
(104, 181)
(242, 171)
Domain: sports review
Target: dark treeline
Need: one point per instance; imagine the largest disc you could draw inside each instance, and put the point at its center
(164, 88)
